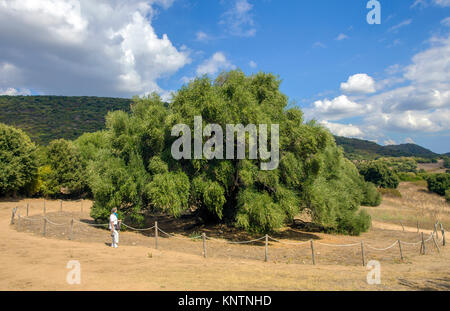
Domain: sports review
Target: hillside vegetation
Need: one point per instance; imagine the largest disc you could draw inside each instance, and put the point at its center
(45, 118)
(362, 149)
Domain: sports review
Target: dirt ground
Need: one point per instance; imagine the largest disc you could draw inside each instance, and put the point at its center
(33, 262)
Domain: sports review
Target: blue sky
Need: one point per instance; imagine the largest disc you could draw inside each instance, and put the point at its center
(389, 83)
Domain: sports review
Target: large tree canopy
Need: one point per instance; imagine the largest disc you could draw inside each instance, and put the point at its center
(134, 169)
(18, 163)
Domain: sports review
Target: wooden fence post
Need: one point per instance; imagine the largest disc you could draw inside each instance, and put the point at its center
(435, 244)
(436, 230)
(45, 209)
(443, 235)
(156, 234)
(423, 250)
(28, 206)
(204, 244)
(18, 222)
(71, 230)
(312, 252)
(266, 250)
(363, 254)
(402, 226)
(401, 251)
(45, 226)
(13, 214)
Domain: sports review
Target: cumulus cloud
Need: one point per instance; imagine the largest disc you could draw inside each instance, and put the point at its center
(359, 83)
(335, 109)
(346, 130)
(409, 140)
(214, 65)
(252, 64)
(421, 104)
(239, 19)
(85, 47)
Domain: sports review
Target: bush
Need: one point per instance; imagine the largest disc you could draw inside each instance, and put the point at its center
(393, 193)
(447, 195)
(438, 183)
(371, 196)
(379, 173)
(409, 176)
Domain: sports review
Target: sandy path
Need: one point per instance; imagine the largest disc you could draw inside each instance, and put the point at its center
(30, 262)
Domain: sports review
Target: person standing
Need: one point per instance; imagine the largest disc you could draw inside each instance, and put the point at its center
(114, 226)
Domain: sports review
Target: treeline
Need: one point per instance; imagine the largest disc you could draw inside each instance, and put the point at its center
(129, 164)
(45, 118)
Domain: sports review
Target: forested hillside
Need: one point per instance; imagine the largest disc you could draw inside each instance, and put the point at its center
(363, 149)
(45, 118)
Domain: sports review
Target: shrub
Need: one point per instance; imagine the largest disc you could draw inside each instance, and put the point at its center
(371, 196)
(447, 195)
(438, 183)
(379, 173)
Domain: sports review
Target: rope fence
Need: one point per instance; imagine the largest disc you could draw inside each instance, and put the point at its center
(434, 236)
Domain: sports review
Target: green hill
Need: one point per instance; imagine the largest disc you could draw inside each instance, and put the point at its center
(363, 149)
(45, 118)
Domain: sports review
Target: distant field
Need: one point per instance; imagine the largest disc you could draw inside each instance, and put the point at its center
(433, 167)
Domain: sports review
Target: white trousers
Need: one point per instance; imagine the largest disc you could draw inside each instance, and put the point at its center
(115, 238)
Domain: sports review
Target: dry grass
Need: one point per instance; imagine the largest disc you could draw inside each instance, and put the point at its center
(417, 204)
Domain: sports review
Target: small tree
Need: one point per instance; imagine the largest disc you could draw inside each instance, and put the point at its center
(63, 170)
(18, 163)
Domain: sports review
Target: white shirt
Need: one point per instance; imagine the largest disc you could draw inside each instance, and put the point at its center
(112, 219)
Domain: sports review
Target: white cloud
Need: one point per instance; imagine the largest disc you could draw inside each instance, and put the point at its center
(13, 92)
(202, 36)
(442, 3)
(425, 3)
(409, 140)
(400, 25)
(446, 22)
(359, 83)
(346, 130)
(214, 64)
(412, 121)
(389, 142)
(341, 37)
(252, 64)
(335, 109)
(319, 44)
(84, 47)
(239, 19)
